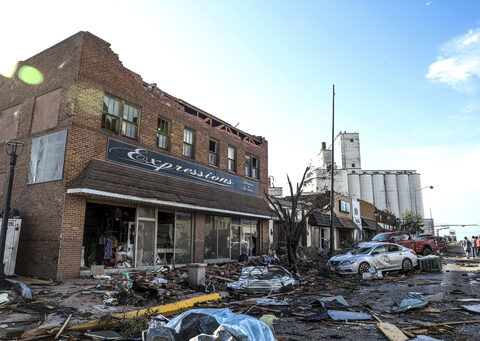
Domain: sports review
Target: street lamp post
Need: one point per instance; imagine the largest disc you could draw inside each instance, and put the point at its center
(14, 149)
(415, 195)
(377, 214)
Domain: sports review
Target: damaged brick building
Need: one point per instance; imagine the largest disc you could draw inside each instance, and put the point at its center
(116, 172)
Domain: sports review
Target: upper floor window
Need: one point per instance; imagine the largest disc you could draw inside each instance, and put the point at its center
(213, 153)
(188, 142)
(251, 166)
(47, 157)
(118, 114)
(163, 133)
(232, 159)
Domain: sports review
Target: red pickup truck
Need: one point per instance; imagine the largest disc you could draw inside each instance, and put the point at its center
(421, 246)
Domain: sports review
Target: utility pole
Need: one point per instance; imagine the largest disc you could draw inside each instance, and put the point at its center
(332, 200)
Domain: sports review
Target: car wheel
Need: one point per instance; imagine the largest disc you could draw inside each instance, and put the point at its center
(426, 251)
(407, 265)
(363, 267)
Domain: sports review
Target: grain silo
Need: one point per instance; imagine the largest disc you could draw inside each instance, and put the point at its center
(391, 193)
(354, 186)
(379, 191)
(416, 197)
(366, 188)
(403, 193)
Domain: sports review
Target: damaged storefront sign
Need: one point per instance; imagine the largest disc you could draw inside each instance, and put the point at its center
(264, 280)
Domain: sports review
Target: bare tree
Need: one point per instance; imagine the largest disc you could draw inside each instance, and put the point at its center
(293, 220)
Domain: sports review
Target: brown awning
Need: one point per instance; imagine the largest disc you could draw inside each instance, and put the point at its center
(323, 220)
(370, 224)
(348, 223)
(106, 179)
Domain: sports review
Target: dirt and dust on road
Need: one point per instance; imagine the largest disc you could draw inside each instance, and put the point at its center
(314, 305)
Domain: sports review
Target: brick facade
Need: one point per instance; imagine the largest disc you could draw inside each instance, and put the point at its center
(82, 69)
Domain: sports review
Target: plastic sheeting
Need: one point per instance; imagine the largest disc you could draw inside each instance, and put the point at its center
(414, 300)
(242, 324)
(26, 292)
(264, 280)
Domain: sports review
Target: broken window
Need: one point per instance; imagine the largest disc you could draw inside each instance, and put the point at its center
(46, 158)
(232, 159)
(188, 142)
(251, 166)
(9, 123)
(213, 153)
(45, 112)
(217, 242)
(183, 238)
(117, 113)
(163, 133)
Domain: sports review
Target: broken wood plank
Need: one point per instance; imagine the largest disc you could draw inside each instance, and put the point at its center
(453, 323)
(391, 332)
(167, 310)
(63, 327)
(224, 279)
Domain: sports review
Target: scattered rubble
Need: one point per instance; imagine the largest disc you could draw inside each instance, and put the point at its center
(311, 303)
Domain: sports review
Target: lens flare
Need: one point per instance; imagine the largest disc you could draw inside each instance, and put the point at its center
(6, 70)
(30, 75)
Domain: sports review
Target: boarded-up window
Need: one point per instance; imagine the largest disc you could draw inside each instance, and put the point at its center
(47, 157)
(9, 123)
(3, 178)
(45, 114)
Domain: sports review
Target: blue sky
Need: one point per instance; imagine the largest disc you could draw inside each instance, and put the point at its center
(406, 75)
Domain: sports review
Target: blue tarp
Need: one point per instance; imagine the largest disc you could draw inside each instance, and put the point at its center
(243, 324)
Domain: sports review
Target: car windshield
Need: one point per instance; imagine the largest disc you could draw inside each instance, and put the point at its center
(360, 250)
(381, 237)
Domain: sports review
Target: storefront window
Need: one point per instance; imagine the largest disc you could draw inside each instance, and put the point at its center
(165, 235)
(145, 256)
(183, 238)
(249, 236)
(217, 241)
(235, 229)
(210, 239)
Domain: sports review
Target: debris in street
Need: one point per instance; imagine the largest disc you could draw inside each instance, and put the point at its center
(340, 315)
(372, 273)
(63, 327)
(331, 302)
(104, 335)
(159, 281)
(475, 308)
(439, 297)
(240, 324)
(391, 332)
(167, 310)
(24, 289)
(264, 280)
(4, 298)
(414, 300)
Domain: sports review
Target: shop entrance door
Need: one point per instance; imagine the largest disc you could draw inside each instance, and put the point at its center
(145, 245)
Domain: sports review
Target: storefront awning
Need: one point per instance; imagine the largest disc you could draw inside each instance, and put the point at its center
(110, 180)
(370, 224)
(348, 223)
(323, 220)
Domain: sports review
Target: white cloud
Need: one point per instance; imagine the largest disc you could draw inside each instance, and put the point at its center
(428, 3)
(459, 61)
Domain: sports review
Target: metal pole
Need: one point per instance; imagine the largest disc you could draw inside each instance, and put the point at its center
(6, 211)
(332, 201)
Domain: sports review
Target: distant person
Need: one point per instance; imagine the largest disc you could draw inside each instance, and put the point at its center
(467, 244)
(474, 246)
(477, 243)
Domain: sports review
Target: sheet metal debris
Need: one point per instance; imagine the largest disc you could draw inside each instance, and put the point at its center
(340, 315)
(475, 308)
(333, 301)
(25, 290)
(264, 280)
(414, 300)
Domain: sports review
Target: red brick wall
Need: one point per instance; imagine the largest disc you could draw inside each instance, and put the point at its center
(52, 231)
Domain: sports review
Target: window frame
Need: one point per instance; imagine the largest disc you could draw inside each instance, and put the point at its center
(250, 166)
(215, 154)
(234, 160)
(167, 135)
(192, 145)
(122, 122)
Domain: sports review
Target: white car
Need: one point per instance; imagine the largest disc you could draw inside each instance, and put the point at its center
(381, 256)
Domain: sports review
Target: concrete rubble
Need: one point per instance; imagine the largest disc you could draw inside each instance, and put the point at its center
(236, 301)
